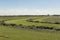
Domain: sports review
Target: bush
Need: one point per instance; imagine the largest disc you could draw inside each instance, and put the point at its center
(56, 23)
(20, 24)
(30, 20)
(57, 29)
(12, 24)
(36, 21)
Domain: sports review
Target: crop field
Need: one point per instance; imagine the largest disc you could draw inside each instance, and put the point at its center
(29, 27)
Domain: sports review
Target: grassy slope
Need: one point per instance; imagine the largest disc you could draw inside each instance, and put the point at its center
(53, 19)
(23, 34)
(24, 22)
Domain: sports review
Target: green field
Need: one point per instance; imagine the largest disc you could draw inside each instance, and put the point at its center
(7, 33)
(23, 21)
(15, 33)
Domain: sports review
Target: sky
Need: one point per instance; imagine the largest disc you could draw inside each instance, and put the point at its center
(29, 7)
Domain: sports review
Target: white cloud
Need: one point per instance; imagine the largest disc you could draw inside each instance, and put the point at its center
(29, 12)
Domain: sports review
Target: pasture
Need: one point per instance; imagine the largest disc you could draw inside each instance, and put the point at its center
(15, 32)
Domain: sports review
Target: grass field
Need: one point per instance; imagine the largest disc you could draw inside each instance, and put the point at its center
(40, 19)
(7, 33)
(11, 33)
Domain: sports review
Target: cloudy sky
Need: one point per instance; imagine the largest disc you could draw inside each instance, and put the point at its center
(29, 7)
